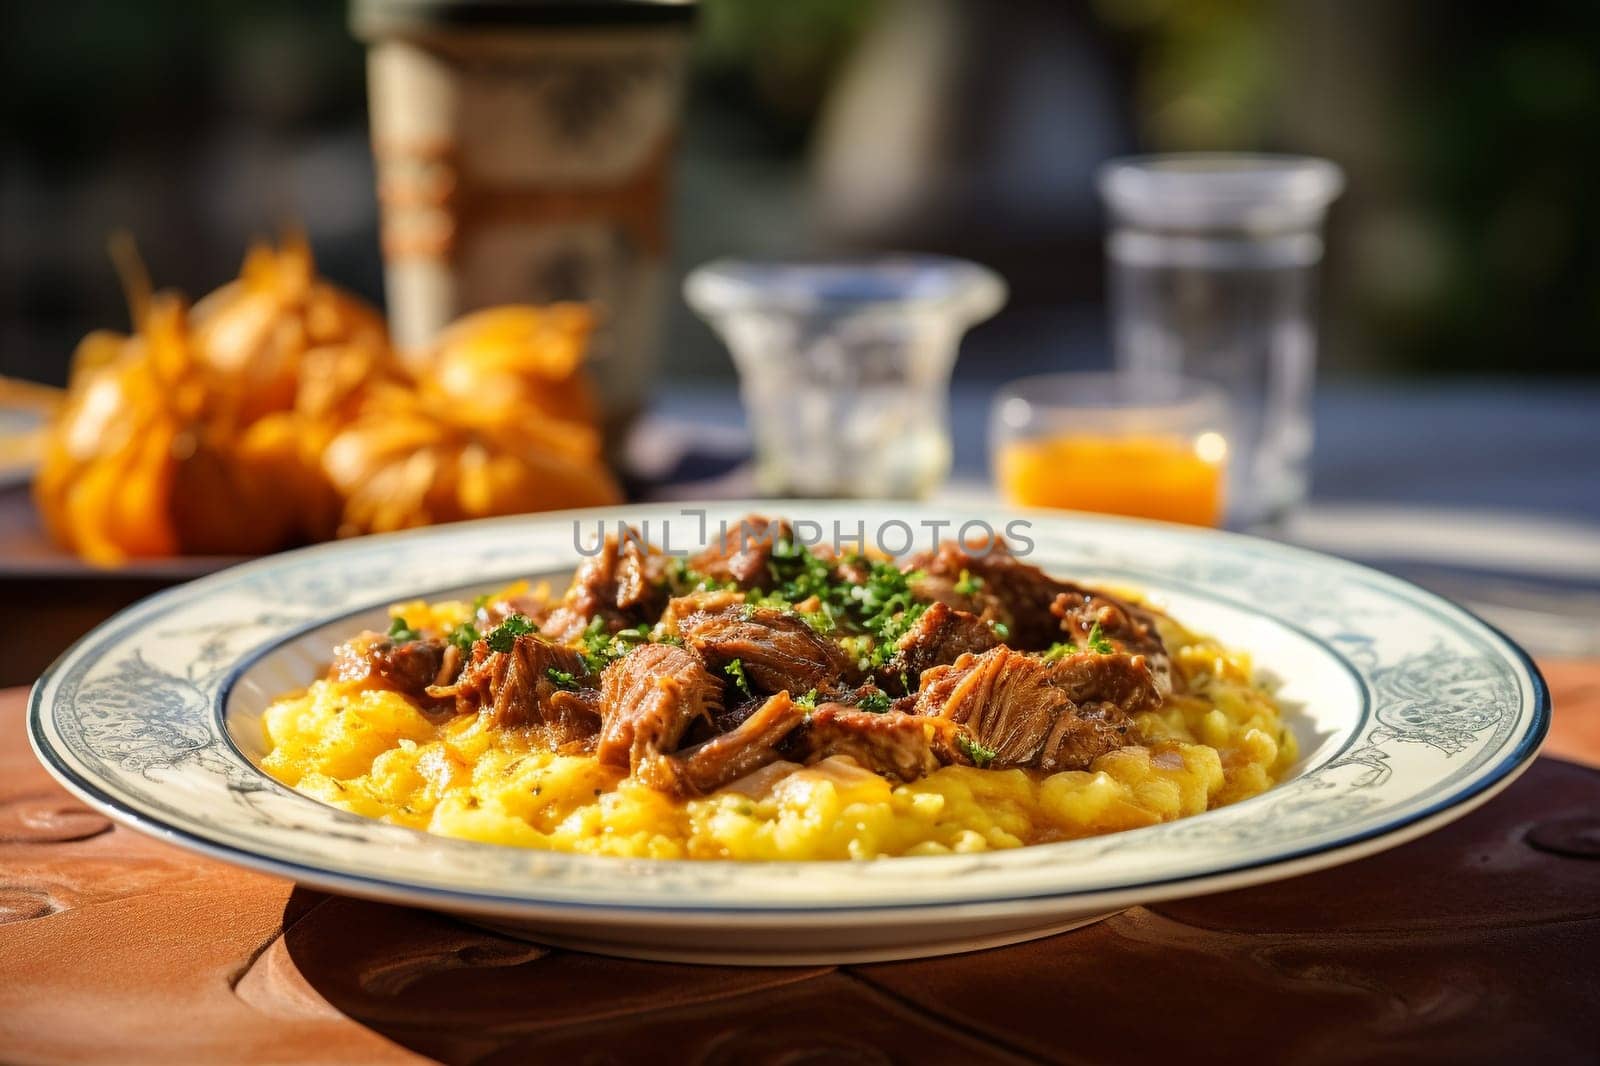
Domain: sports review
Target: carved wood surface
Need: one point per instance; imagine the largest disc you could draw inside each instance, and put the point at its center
(1478, 943)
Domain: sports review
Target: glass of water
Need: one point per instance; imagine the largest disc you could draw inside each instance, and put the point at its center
(844, 366)
(1213, 262)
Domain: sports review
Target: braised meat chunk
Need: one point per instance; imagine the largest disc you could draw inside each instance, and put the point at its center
(889, 743)
(697, 603)
(941, 635)
(1002, 698)
(534, 683)
(649, 699)
(988, 581)
(1122, 681)
(1036, 610)
(752, 744)
(743, 552)
(1020, 710)
(1089, 616)
(623, 585)
(410, 667)
(775, 651)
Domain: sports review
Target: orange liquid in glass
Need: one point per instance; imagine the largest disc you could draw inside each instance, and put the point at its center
(1147, 477)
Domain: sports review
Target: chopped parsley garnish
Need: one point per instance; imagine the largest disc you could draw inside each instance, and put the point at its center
(1001, 630)
(400, 632)
(684, 579)
(886, 608)
(876, 702)
(639, 634)
(867, 618)
(819, 620)
(735, 670)
(981, 756)
(1098, 643)
(465, 635)
(561, 678)
(859, 648)
(503, 637)
(601, 647)
(969, 583)
(596, 640)
(808, 701)
(803, 585)
(798, 574)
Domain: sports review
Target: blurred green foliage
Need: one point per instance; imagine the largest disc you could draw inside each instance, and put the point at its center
(86, 78)
(1505, 138)
(1474, 244)
(784, 55)
(1205, 70)
(1469, 239)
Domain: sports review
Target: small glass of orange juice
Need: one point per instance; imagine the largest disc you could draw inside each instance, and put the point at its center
(1152, 446)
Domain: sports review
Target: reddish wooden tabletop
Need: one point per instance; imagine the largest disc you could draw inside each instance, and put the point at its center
(1477, 943)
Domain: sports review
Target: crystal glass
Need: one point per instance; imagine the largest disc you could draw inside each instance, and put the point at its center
(1152, 446)
(1213, 263)
(844, 366)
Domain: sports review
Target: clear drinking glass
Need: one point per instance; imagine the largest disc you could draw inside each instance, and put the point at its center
(1213, 262)
(844, 366)
(1151, 446)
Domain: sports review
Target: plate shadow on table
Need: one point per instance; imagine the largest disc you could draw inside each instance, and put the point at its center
(1464, 946)
(458, 994)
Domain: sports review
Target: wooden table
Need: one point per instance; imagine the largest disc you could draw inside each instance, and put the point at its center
(1478, 943)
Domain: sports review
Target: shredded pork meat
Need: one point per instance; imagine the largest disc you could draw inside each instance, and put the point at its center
(533, 683)
(1021, 710)
(758, 651)
(774, 651)
(649, 699)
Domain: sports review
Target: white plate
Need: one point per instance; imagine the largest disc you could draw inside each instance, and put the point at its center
(1408, 710)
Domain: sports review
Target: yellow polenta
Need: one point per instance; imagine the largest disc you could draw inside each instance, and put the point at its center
(369, 750)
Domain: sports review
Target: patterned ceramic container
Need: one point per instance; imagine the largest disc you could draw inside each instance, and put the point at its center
(523, 152)
(1409, 713)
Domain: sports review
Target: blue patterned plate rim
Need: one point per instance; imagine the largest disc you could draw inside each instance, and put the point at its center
(1526, 725)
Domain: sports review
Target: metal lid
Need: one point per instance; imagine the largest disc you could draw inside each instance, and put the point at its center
(386, 18)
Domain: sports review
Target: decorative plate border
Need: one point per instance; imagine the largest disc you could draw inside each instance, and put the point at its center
(130, 719)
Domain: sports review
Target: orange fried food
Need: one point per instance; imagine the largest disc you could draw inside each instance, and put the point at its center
(507, 363)
(104, 479)
(274, 412)
(412, 462)
(256, 331)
